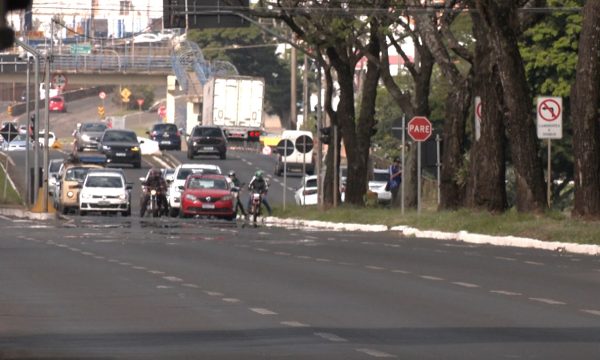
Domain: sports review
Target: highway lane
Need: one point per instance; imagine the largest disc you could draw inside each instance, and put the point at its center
(112, 287)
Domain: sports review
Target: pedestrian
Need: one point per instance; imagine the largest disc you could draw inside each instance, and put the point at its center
(395, 180)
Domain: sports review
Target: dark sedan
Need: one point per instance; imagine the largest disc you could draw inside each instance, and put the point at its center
(167, 136)
(121, 147)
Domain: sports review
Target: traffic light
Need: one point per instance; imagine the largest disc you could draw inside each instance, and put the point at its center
(7, 35)
(325, 135)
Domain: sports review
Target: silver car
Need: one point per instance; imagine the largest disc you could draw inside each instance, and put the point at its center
(88, 135)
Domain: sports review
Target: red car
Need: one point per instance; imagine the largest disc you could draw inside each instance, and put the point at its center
(57, 103)
(207, 195)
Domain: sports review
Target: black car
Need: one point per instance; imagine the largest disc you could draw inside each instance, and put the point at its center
(121, 147)
(207, 140)
(167, 136)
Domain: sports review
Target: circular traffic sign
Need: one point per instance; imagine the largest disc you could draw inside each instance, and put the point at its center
(419, 128)
(285, 147)
(549, 110)
(102, 95)
(266, 150)
(304, 143)
(60, 81)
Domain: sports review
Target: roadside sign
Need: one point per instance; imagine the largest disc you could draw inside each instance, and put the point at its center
(304, 143)
(549, 117)
(140, 102)
(59, 81)
(102, 95)
(125, 94)
(285, 147)
(419, 128)
(267, 150)
(478, 112)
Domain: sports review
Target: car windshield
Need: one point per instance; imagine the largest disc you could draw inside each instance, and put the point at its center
(55, 166)
(311, 183)
(20, 137)
(183, 173)
(76, 174)
(170, 128)
(104, 181)
(209, 132)
(120, 136)
(381, 176)
(93, 127)
(56, 99)
(200, 183)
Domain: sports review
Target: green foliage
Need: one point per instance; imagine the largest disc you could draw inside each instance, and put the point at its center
(145, 92)
(253, 54)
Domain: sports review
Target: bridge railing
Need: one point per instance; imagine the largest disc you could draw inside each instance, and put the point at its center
(112, 62)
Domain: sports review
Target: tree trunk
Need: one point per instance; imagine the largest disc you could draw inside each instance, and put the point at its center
(502, 21)
(486, 185)
(585, 97)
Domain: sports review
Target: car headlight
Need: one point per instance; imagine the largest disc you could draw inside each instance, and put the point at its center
(85, 137)
(85, 196)
(153, 192)
(227, 198)
(123, 196)
(70, 194)
(105, 147)
(135, 149)
(191, 197)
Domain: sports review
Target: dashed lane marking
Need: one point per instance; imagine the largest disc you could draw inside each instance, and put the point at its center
(547, 301)
(213, 293)
(294, 324)
(193, 286)
(231, 300)
(429, 277)
(593, 312)
(156, 272)
(330, 337)
(465, 284)
(376, 353)
(505, 258)
(172, 278)
(373, 267)
(399, 271)
(138, 267)
(533, 263)
(263, 311)
(322, 260)
(505, 292)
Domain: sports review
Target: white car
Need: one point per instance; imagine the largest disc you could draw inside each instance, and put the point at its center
(51, 138)
(146, 38)
(307, 193)
(105, 190)
(377, 185)
(178, 178)
(54, 166)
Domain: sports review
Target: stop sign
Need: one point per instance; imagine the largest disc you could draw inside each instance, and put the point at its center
(419, 128)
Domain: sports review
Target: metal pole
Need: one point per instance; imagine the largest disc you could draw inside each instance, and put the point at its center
(293, 68)
(304, 165)
(439, 167)
(335, 168)
(27, 147)
(418, 176)
(47, 123)
(285, 154)
(320, 147)
(549, 181)
(403, 152)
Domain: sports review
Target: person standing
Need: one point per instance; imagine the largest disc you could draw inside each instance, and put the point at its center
(395, 180)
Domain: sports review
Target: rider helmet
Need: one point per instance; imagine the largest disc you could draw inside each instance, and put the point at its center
(154, 172)
(231, 173)
(258, 174)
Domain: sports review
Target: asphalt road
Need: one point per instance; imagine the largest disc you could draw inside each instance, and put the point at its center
(128, 288)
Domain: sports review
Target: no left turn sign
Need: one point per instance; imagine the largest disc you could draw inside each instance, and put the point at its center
(549, 117)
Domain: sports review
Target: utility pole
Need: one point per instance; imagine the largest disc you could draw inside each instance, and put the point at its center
(293, 69)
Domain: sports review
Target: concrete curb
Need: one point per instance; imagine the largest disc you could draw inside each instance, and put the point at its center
(22, 213)
(463, 236)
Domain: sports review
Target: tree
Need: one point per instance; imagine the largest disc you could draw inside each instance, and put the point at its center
(585, 97)
(502, 26)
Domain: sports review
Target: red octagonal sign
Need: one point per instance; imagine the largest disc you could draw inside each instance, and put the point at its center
(419, 128)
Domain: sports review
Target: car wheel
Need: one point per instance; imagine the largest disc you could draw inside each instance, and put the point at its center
(173, 212)
(223, 155)
(182, 215)
(127, 212)
(138, 165)
(178, 148)
(82, 212)
(63, 210)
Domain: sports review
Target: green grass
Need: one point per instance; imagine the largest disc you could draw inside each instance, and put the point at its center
(11, 196)
(551, 226)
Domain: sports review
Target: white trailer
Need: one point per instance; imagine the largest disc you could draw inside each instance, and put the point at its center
(235, 103)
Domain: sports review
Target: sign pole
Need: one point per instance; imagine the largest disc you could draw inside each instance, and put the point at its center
(403, 156)
(285, 172)
(438, 140)
(304, 158)
(418, 177)
(549, 181)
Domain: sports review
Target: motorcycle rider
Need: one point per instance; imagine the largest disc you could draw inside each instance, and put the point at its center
(237, 183)
(154, 181)
(259, 184)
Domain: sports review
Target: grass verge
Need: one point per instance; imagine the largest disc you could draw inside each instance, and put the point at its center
(8, 195)
(551, 226)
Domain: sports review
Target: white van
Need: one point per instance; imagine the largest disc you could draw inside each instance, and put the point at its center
(53, 91)
(296, 160)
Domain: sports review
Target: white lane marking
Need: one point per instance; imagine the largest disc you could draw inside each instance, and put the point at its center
(465, 284)
(593, 312)
(533, 263)
(504, 292)
(282, 253)
(125, 263)
(87, 253)
(139, 267)
(156, 272)
(376, 353)
(294, 324)
(261, 249)
(163, 287)
(99, 257)
(367, 243)
(547, 301)
(429, 277)
(231, 300)
(213, 293)
(323, 260)
(74, 249)
(194, 286)
(172, 278)
(262, 311)
(330, 337)
(373, 267)
(405, 272)
(505, 258)
(304, 257)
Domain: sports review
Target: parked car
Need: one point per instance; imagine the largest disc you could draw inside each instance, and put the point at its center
(68, 182)
(167, 136)
(177, 179)
(57, 103)
(307, 193)
(88, 135)
(377, 185)
(207, 195)
(53, 169)
(121, 147)
(105, 190)
(207, 140)
(51, 138)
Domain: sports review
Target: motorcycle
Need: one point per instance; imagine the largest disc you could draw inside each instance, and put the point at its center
(154, 205)
(255, 205)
